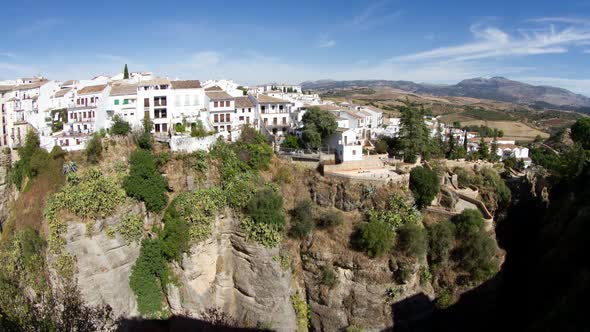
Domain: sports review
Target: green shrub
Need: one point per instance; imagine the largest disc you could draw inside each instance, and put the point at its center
(291, 142)
(441, 241)
(381, 146)
(94, 149)
(302, 221)
(253, 149)
(468, 223)
(57, 152)
(144, 181)
(91, 196)
(198, 209)
(330, 218)
(143, 137)
(148, 276)
(398, 213)
(492, 180)
(301, 312)
(424, 184)
(266, 207)
(375, 238)
(264, 234)
(445, 300)
(175, 236)
(412, 240)
(32, 160)
(198, 130)
(328, 276)
(130, 227)
(197, 161)
(120, 126)
(162, 158)
(283, 175)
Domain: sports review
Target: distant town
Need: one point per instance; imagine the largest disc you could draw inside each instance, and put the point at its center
(67, 114)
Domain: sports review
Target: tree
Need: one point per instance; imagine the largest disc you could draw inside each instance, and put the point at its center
(125, 73)
(381, 146)
(441, 239)
(483, 150)
(144, 181)
(414, 135)
(143, 137)
(94, 149)
(291, 142)
(424, 184)
(120, 126)
(322, 122)
(374, 237)
(312, 138)
(493, 157)
(412, 240)
(468, 223)
(302, 222)
(266, 207)
(581, 132)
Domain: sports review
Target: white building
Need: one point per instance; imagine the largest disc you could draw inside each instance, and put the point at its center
(274, 113)
(189, 105)
(246, 112)
(346, 145)
(221, 109)
(123, 102)
(153, 96)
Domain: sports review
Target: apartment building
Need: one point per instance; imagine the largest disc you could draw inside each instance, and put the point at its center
(153, 96)
(123, 102)
(274, 114)
(221, 109)
(189, 105)
(246, 112)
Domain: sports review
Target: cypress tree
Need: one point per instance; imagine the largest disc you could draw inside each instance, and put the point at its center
(125, 72)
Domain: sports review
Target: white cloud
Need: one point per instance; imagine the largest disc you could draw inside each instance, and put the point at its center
(374, 15)
(586, 51)
(492, 42)
(326, 42)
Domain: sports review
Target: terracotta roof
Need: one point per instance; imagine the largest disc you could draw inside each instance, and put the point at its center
(30, 85)
(186, 84)
(327, 107)
(354, 115)
(244, 102)
(123, 89)
(92, 89)
(68, 82)
(214, 88)
(218, 95)
(270, 100)
(155, 81)
(62, 92)
(5, 88)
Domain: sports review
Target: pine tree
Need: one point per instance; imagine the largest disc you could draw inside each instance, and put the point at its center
(125, 72)
(415, 136)
(494, 151)
(484, 152)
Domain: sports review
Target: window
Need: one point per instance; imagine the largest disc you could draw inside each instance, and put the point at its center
(263, 108)
(215, 128)
(177, 101)
(222, 116)
(157, 127)
(284, 120)
(241, 118)
(146, 102)
(265, 121)
(186, 100)
(215, 118)
(249, 109)
(164, 127)
(196, 100)
(227, 117)
(125, 101)
(160, 113)
(228, 103)
(272, 107)
(354, 152)
(274, 121)
(280, 107)
(215, 104)
(228, 128)
(116, 101)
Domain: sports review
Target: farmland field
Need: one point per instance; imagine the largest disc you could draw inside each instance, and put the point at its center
(512, 129)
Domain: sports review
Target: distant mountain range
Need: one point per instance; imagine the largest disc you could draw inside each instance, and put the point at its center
(495, 88)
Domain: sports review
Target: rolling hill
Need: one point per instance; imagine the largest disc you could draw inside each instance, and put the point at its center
(495, 88)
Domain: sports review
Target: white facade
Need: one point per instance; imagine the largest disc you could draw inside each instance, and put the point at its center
(346, 145)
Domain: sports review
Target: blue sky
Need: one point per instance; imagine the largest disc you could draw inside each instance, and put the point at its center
(540, 42)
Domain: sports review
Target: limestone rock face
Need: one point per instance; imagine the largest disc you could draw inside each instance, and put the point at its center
(240, 278)
(104, 265)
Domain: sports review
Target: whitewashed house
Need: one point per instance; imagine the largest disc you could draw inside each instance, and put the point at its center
(221, 109)
(274, 113)
(189, 103)
(346, 145)
(153, 97)
(246, 112)
(123, 102)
